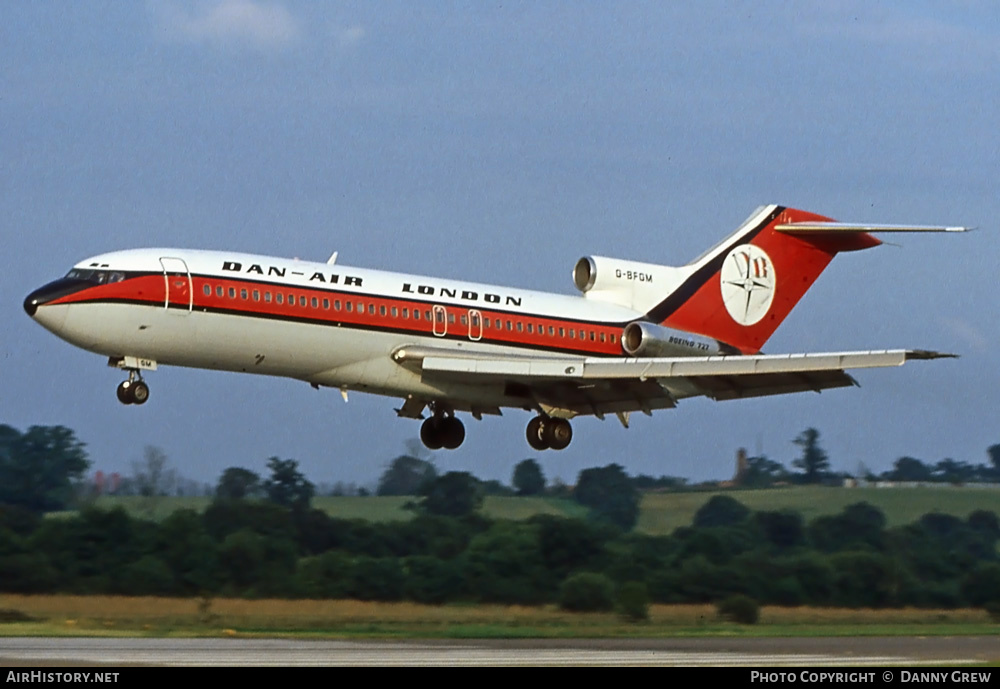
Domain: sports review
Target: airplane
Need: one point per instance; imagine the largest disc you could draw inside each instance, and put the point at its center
(639, 337)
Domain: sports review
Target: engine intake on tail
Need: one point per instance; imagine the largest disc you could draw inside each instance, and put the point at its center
(631, 284)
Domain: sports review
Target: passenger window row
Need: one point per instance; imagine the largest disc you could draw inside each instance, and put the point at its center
(301, 300)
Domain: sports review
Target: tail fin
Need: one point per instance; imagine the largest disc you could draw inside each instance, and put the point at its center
(741, 290)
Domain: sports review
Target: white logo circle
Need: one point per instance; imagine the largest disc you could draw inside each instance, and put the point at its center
(748, 280)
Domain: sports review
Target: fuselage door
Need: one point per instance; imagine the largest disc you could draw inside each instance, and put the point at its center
(440, 321)
(475, 325)
(177, 285)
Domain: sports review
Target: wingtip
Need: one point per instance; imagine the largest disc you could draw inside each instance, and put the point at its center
(929, 354)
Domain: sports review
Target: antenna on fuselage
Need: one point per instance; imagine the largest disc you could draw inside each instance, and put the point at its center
(333, 258)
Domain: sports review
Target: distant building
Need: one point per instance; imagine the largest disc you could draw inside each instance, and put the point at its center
(742, 467)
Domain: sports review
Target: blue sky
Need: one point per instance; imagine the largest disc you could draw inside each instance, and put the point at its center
(498, 143)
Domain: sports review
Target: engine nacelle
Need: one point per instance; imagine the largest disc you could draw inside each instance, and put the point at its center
(646, 339)
(632, 284)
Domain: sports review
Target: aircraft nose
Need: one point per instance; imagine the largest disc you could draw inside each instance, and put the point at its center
(50, 292)
(30, 304)
(33, 301)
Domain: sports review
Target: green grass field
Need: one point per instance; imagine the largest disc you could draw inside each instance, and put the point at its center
(664, 512)
(64, 615)
(661, 512)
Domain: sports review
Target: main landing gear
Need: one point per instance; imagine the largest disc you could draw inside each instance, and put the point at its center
(134, 390)
(442, 430)
(546, 432)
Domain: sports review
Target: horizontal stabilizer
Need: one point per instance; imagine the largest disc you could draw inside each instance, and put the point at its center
(835, 227)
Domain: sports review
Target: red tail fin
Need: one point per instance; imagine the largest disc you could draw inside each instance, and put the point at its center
(740, 291)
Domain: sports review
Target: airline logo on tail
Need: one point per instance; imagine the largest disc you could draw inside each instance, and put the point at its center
(731, 293)
(747, 278)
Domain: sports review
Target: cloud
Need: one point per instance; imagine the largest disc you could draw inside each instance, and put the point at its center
(265, 25)
(942, 38)
(973, 336)
(350, 36)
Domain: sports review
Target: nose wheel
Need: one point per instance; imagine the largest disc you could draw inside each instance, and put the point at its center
(547, 433)
(134, 390)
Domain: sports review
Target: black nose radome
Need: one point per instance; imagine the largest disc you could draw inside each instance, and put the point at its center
(52, 291)
(30, 304)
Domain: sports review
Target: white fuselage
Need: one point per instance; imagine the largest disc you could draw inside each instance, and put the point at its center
(327, 324)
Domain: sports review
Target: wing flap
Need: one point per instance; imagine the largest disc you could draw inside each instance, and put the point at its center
(722, 388)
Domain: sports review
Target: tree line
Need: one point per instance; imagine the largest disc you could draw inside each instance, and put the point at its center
(813, 467)
(44, 469)
(261, 537)
(258, 548)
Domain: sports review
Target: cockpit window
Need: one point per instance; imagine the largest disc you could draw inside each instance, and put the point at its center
(98, 277)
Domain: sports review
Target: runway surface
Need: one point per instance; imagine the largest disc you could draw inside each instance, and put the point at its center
(827, 652)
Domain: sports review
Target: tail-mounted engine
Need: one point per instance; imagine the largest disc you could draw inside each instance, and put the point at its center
(646, 339)
(631, 284)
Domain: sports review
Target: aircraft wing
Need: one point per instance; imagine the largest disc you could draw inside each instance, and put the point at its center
(571, 385)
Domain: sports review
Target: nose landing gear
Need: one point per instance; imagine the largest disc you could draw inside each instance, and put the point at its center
(134, 390)
(546, 432)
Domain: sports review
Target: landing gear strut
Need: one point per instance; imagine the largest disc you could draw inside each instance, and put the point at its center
(546, 432)
(134, 390)
(442, 430)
